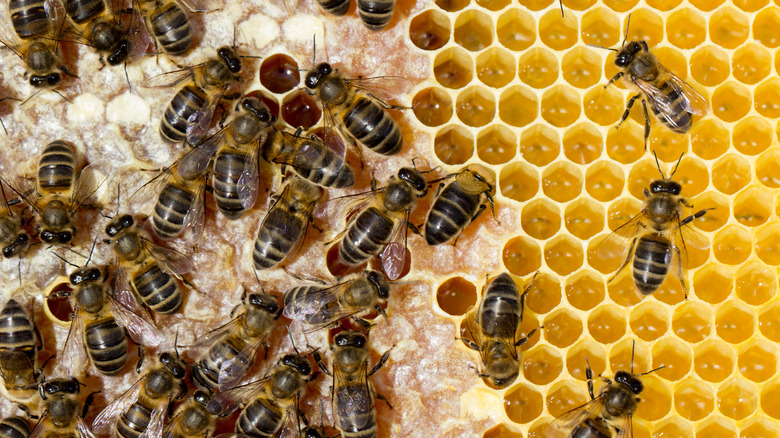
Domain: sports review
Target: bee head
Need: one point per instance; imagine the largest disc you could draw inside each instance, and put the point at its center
(82, 275)
(314, 76)
(120, 54)
(298, 363)
(350, 338)
(630, 381)
(311, 432)
(265, 302)
(230, 58)
(118, 225)
(201, 397)
(664, 186)
(68, 386)
(415, 178)
(46, 81)
(626, 54)
(380, 283)
(53, 237)
(259, 109)
(18, 245)
(177, 368)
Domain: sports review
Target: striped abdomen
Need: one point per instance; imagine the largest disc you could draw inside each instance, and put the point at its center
(205, 374)
(334, 7)
(676, 111)
(134, 422)
(355, 413)
(157, 289)
(593, 427)
(450, 213)
(261, 418)
(375, 13)
(171, 27)
(106, 344)
(370, 124)
(29, 18)
(229, 164)
(81, 11)
(329, 170)
(186, 101)
(366, 237)
(56, 168)
(277, 236)
(499, 312)
(652, 257)
(14, 427)
(17, 333)
(171, 209)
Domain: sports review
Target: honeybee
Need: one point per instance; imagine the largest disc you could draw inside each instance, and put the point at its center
(141, 410)
(19, 346)
(497, 321)
(61, 416)
(310, 158)
(153, 270)
(322, 306)
(168, 23)
(352, 392)
(192, 420)
(672, 100)
(375, 14)
(459, 203)
(267, 403)
(14, 427)
(659, 235)
(361, 114)
(188, 116)
(285, 224)
(13, 239)
(100, 27)
(226, 354)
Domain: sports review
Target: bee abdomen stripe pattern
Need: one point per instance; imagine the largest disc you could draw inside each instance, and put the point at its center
(56, 169)
(373, 127)
(107, 345)
(187, 101)
(651, 263)
(172, 28)
(366, 237)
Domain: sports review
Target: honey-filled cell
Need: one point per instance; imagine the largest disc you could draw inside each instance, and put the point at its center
(562, 181)
(713, 361)
(663, 5)
(581, 67)
(452, 5)
(752, 135)
(709, 139)
(279, 73)
(545, 294)
(430, 30)
(600, 27)
(584, 289)
(300, 109)
(735, 322)
(710, 65)
(607, 324)
(751, 63)
(453, 145)
(640, 176)
(755, 283)
(564, 396)
(621, 211)
(766, 98)
(539, 145)
(667, 144)
(536, 5)
(646, 25)
(523, 403)
(693, 399)
(563, 254)
(540, 219)
(752, 207)
(769, 321)
(706, 5)
(731, 173)
(732, 245)
(561, 106)
(558, 33)
(621, 5)
(686, 28)
(501, 431)
(562, 328)
(522, 256)
(674, 356)
(768, 168)
(453, 68)
(767, 243)
(542, 365)
(713, 283)
(496, 145)
(493, 5)
(604, 181)
(649, 321)
(731, 102)
(737, 399)
(604, 106)
(673, 427)
(582, 143)
(759, 427)
(671, 290)
(690, 322)
(605, 258)
(692, 175)
(576, 362)
(766, 27)
(770, 393)
(538, 67)
(539, 429)
(757, 360)
(728, 28)
(518, 181)
(432, 106)
(475, 106)
(656, 399)
(456, 295)
(473, 30)
(717, 216)
(516, 29)
(584, 218)
(629, 355)
(495, 67)
(716, 428)
(750, 5)
(626, 145)
(518, 106)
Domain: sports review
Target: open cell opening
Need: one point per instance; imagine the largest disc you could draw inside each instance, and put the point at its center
(600, 27)
(539, 145)
(716, 427)
(496, 144)
(300, 109)
(648, 321)
(576, 363)
(757, 360)
(645, 25)
(728, 28)
(656, 399)
(737, 399)
(766, 27)
(709, 139)
(562, 181)
(713, 360)
(495, 67)
(430, 30)
(693, 399)
(582, 143)
(767, 244)
(556, 32)
(768, 168)
(452, 5)
(473, 30)
(604, 181)
(759, 427)
(732, 245)
(542, 365)
(540, 219)
(753, 207)
(584, 289)
(581, 67)
(456, 295)
(607, 324)
(626, 353)
(432, 106)
(690, 322)
(715, 219)
(713, 283)
(604, 106)
(584, 218)
(562, 328)
(710, 65)
(751, 63)
(752, 135)
(518, 181)
(766, 98)
(523, 403)
(686, 28)
(563, 254)
(755, 283)
(731, 173)
(622, 211)
(453, 68)
(518, 106)
(545, 294)
(564, 396)
(453, 144)
(475, 106)
(561, 106)
(538, 67)
(621, 5)
(279, 73)
(731, 102)
(516, 29)
(675, 357)
(522, 256)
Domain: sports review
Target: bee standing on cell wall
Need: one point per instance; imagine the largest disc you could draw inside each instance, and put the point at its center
(352, 392)
(497, 321)
(14, 427)
(100, 27)
(672, 100)
(192, 419)
(168, 23)
(19, 346)
(225, 354)
(659, 235)
(284, 226)
(141, 410)
(459, 203)
(375, 14)
(13, 239)
(61, 417)
(310, 158)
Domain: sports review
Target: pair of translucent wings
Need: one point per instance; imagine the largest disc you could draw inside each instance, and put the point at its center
(668, 104)
(562, 426)
(110, 414)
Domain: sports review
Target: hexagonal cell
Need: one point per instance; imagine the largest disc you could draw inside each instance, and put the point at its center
(558, 33)
(713, 283)
(759, 427)
(731, 173)
(755, 283)
(629, 355)
(769, 321)
(731, 102)
(581, 67)
(713, 361)
(710, 65)
(621, 5)
(656, 399)
(523, 404)
(493, 5)
(766, 98)
(584, 289)
(495, 67)
(714, 219)
(453, 144)
(735, 322)
(731, 245)
(601, 259)
(539, 145)
(686, 28)
(690, 322)
(540, 219)
(456, 295)
(582, 143)
(621, 211)
(767, 244)
(728, 28)
(600, 27)
(766, 27)
(649, 321)
(604, 181)
(737, 399)
(453, 68)
(768, 168)
(626, 145)
(518, 181)
(640, 176)
(706, 5)
(432, 106)
(536, 5)
(604, 106)
(561, 106)
(562, 181)
(473, 30)
(516, 29)
(430, 30)
(562, 328)
(645, 25)
(539, 429)
(496, 145)
(300, 109)
(565, 396)
(716, 427)
(757, 360)
(522, 256)
(279, 73)
(752, 135)
(673, 427)
(563, 254)
(545, 294)
(607, 324)
(501, 431)
(769, 396)
(675, 357)
(452, 5)
(475, 106)
(578, 5)
(584, 218)
(709, 139)
(671, 291)
(750, 5)
(538, 67)
(663, 5)
(576, 361)
(751, 63)
(692, 175)
(752, 207)
(518, 106)
(542, 365)
(693, 399)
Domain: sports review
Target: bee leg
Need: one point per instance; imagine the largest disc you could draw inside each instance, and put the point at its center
(320, 363)
(524, 339)
(27, 411)
(614, 78)
(88, 403)
(589, 376)
(629, 104)
(647, 122)
(183, 389)
(386, 105)
(141, 354)
(381, 397)
(629, 256)
(696, 215)
(381, 362)
(525, 293)
(469, 343)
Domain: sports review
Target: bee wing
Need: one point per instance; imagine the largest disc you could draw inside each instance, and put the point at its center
(350, 396)
(141, 330)
(10, 39)
(249, 180)
(107, 417)
(122, 291)
(394, 254)
(305, 157)
(196, 161)
(82, 429)
(39, 428)
(204, 342)
(157, 421)
(319, 307)
(88, 181)
(333, 137)
(173, 261)
(200, 5)
(232, 371)
(227, 401)
(617, 242)
(25, 188)
(151, 189)
(196, 216)
(572, 418)
(688, 236)
(171, 78)
(199, 122)
(138, 34)
(668, 103)
(382, 87)
(74, 356)
(171, 426)
(626, 428)
(345, 206)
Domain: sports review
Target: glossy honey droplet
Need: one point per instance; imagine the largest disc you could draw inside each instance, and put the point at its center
(279, 73)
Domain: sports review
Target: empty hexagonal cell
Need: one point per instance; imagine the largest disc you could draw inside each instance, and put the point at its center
(718, 214)
(453, 144)
(686, 28)
(473, 30)
(673, 427)
(456, 295)
(561, 106)
(621, 5)
(432, 106)
(751, 63)
(562, 328)
(709, 139)
(558, 33)
(502, 431)
(539, 145)
(542, 364)
(300, 109)
(581, 67)
(663, 5)
(584, 289)
(693, 399)
(430, 30)
(731, 102)
(621, 211)
(523, 403)
(605, 106)
(716, 427)
(496, 145)
(752, 207)
(495, 67)
(518, 181)
(600, 27)
(730, 174)
(755, 283)
(656, 399)
(710, 65)
(671, 291)
(475, 106)
(649, 321)
(604, 181)
(640, 176)
(584, 218)
(545, 294)
(735, 322)
(766, 27)
(607, 324)
(766, 98)
(759, 427)
(518, 106)
(713, 361)
(539, 429)
(576, 362)
(279, 73)
(732, 245)
(522, 256)
(768, 168)
(516, 29)
(565, 396)
(737, 399)
(582, 143)
(540, 219)
(645, 25)
(538, 67)
(691, 323)
(713, 283)
(453, 68)
(728, 28)
(562, 181)
(563, 254)
(757, 360)
(674, 356)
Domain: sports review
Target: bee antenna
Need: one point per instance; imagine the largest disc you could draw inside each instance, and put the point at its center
(62, 96)
(633, 347)
(602, 47)
(628, 23)
(651, 371)
(292, 341)
(560, 2)
(676, 165)
(176, 344)
(313, 50)
(658, 164)
(65, 260)
(91, 250)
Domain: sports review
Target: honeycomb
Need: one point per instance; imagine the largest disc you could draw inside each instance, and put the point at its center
(516, 87)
